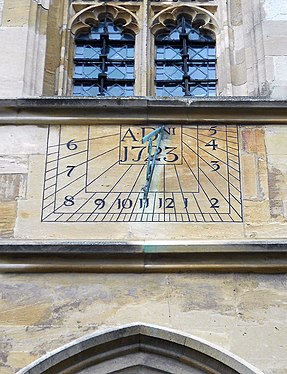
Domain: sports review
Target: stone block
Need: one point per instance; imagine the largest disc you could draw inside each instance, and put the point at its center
(276, 209)
(278, 90)
(253, 140)
(280, 66)
(13, 54)
(249, 176)
(13, 164)
(1, 10)
(263, 179)
(12, 186)
(249, 55)
(269, 64)
(7, 218)
(15, 13)
(35, 51)
(238, 37)
(241, 90)
(22, 140)
(18, 359)
(274, 28)
(256, 211)
(270, 230)
(275, 10)
(236, 13)
(24, 314)
(277, 184)
(276, 140)
(240, 56)
(267, 348)
(276, 46)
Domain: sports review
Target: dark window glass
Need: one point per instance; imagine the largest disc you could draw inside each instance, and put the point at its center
(104, 62)
(185, 62)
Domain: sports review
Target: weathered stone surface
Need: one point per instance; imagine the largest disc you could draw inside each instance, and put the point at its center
(22, 140)
(13, 164)
(12, 186)
(253, 140)
(228, 310)
(250, 176)
(1, 10)
(276, 140)
(275, 10)
(15, 12)
(257, 211)
(12, 62)
(23, 315)
(243, 313)
(270, 230)
(7, 218)
(18, 359)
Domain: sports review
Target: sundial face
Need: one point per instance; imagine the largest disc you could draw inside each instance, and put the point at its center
(98, 173)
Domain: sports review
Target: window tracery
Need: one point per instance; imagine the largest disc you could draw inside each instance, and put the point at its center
(147, 59)
(104, 61)
(185, 61)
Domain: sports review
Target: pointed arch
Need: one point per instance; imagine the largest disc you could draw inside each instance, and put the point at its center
(199, 17)
(91, 15)
(149, 348)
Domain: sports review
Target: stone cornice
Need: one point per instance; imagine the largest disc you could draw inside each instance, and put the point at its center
(109, 111)
(257, 256)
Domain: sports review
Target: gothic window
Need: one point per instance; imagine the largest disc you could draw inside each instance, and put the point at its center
(185, 61)
(104, 61)
(122, 50)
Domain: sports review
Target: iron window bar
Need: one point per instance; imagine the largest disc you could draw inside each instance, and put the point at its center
(103, 62)
(183, 45)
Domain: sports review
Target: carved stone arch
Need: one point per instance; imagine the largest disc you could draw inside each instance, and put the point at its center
(199, 17)
(140, 348)
(91, 15)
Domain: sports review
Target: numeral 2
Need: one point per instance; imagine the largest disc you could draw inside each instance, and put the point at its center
(214, 203)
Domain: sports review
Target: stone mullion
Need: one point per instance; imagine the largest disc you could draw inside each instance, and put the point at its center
(33, 68)
(63, 72)
(141, 56)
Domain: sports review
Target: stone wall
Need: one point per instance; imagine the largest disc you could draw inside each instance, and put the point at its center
(23, 42)
(245, 314)
(36, 45)
(263, 178)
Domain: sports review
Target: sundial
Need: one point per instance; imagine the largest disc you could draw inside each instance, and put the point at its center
(142, 173)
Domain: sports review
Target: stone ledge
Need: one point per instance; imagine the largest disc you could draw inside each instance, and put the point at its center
(160, 246)
(138, 258)
(97, 111)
